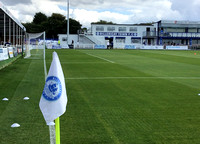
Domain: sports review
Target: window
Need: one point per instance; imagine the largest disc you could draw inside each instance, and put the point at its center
(133, 29)
(192, 30)
(170, 29)
(180, 30)
(120, 39)
(122, 29)
(64, 39)
(110, 28)
(194, 41)
(99, 28)
(136, 41)
(175, 30)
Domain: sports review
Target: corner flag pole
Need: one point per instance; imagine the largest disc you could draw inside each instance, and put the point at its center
(51, 127)
(57, 122)
(45, 69)
(53, 100)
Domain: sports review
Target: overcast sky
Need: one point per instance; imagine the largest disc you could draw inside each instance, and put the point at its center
(121, 12)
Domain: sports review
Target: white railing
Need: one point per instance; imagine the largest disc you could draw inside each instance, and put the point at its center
(177, 34)
(85, 40)
(119, 45)
(94, 40)
(150, 34)
(84, 46)
(127, 46)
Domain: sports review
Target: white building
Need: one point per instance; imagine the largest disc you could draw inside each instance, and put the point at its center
(120, 35)
(133, 36)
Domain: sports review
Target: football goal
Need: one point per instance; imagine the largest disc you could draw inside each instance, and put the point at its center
(34, 41)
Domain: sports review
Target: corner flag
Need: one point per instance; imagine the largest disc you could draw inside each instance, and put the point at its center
(54, 98)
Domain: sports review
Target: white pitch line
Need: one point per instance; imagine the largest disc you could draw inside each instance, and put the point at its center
(91, 78)
(82, 62)
(100, 58)
(36, 54)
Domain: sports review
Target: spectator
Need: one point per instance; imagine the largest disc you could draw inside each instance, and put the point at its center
(108, 44)
(7, 43)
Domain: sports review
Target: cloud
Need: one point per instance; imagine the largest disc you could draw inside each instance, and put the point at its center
(124, 11)
(188, 9)
(86, 17)
(26, 12)
(15, 2)
(159, 10)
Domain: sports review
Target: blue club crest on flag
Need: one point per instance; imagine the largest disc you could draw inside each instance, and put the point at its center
(53, 89)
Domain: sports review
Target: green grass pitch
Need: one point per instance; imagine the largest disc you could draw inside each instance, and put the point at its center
(114, 97)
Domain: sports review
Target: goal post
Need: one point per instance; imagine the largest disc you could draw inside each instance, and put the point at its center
(34, 41)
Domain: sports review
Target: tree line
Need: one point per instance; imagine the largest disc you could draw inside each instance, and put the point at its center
(53, 25)
(56, 24)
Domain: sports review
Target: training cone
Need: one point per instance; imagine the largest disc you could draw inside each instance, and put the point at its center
(15, 125)
(26, 98)
(5, 99)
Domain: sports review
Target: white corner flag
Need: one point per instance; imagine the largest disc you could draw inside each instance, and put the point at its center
(54, 98)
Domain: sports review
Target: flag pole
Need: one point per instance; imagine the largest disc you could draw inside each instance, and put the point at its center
(51, 127)
(45, 69)
(53, 101)
(67, 22)
(52, 134)
(57, 121)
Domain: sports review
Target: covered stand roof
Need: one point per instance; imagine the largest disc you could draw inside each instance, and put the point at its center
(3, 10)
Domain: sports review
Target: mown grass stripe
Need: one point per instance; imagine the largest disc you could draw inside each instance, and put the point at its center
(138, 99)
(102, 121)
(6, 63)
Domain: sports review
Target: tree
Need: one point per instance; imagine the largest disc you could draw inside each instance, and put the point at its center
(37, 25)
(39, 18)
(53, 25)
(103, 22)
(74, 26)
(84, 29)
(32, 28)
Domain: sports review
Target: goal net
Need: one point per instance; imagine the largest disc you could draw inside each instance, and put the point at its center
(36, 42)
(35, 47)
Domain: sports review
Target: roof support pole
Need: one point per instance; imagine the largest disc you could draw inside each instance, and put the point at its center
(20, 36)
(22, 42)
(17, 34)
(13, 33)
(4, 33)
(9, 30)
